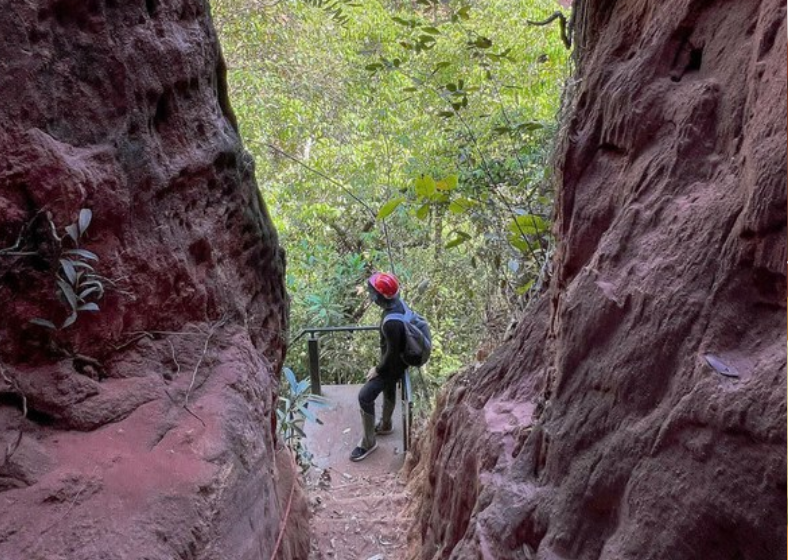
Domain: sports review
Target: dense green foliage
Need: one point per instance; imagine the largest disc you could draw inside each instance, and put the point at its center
(411, 136)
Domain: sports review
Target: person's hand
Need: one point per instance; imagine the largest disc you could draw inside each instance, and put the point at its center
(372, 373)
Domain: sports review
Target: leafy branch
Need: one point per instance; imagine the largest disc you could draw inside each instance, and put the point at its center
(566, 28)
(291, 414)
(78, 285)
(346, 190)
(333, 9)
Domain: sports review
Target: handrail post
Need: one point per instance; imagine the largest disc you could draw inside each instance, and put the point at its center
(313, 347)
(406, 398)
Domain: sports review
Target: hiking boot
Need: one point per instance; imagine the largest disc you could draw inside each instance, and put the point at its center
(382, 429)
(360, 453)
(385, 426)
(367, 444)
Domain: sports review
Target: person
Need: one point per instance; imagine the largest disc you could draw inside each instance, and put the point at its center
(383, 289)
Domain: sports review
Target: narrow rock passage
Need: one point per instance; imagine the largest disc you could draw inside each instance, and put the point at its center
(357, 508)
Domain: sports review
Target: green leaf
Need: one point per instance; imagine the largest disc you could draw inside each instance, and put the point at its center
(431, 30)
(68, 269)
(83, 253)
(460, 205)
(43, 323)
(291, 379)
(93, 282)
(461, 238)
(373, 67)
(423, 212)
(519, 243)
(425, 186)
(528, 224)
(85, 215)
(68, 292)
(525, 287)
(308, 414)
(85, 293)
(73, 232)
(530, 126)
(448, 184)
(303, 386)
(389, 207)
(481, 43)
(80, 264)
(406, 22)
(297, 429)
(316, 401)
(88, 307)
(70, 321)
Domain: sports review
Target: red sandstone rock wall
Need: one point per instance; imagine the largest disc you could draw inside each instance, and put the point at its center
(149, 423)
(640, 412)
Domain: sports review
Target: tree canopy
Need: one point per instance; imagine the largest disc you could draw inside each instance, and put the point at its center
(405, 136)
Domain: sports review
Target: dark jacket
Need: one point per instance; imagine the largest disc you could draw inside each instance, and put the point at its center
(392, 343)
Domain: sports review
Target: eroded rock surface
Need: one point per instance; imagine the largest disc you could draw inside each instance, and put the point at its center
(640, 412)
(148, 429)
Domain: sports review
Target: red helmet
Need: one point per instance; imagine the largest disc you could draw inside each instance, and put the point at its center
(385, 284)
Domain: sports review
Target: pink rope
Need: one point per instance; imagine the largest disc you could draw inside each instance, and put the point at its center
(284, 520)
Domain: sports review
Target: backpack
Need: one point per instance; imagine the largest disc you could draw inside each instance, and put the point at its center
(418, 341)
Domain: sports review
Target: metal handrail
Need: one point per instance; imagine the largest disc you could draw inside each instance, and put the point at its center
(406, 403)
(313, 349)
(312, 331)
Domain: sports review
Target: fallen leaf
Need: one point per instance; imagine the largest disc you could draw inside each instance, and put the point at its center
(720, 367)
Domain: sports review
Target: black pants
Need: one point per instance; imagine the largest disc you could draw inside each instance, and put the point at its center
(372, 388)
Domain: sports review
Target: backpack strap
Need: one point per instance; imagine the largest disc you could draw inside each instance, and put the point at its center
(404, 317)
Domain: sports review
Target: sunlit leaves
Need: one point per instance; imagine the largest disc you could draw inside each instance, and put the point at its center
(447, 184)
(425, 186)
(430, 112)
(460, 205)
(463, 14)
(386, 210)
(480, 43)
(460, 238)
(528, 224)
(521, 290)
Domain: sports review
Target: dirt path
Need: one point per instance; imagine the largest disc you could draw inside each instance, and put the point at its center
(356, 507)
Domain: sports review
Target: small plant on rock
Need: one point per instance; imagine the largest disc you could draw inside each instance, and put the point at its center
(291, 414)
(78, 285)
